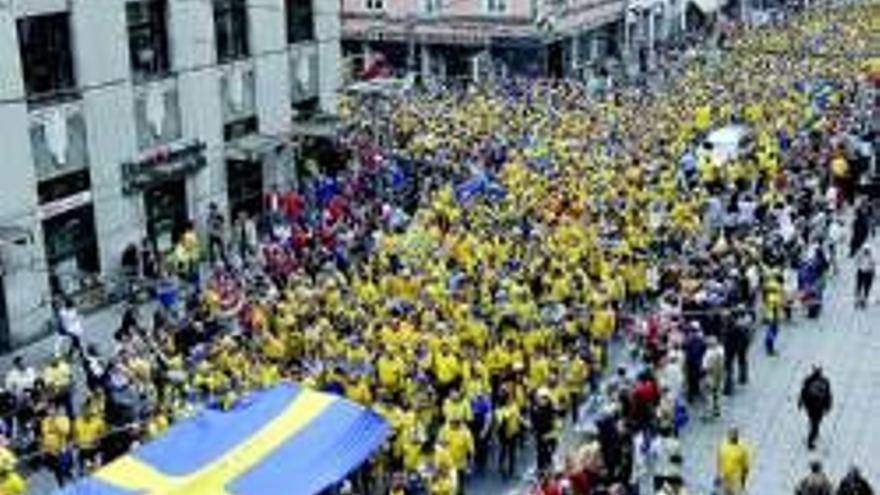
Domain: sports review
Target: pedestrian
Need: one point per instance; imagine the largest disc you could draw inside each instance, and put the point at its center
(216, 235)
(816, 399)
(854, 484)
(736, 348)
(865, 268)
(545, 429)
(815, 483)
(694, 350)
(713, 371)
(734, 463)
(666, 452)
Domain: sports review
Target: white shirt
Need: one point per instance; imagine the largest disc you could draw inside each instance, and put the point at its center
(71, 321)
(19, 381)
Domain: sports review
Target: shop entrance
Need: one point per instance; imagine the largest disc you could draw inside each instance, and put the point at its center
(165, 205)
(245, 186)
(71, 249)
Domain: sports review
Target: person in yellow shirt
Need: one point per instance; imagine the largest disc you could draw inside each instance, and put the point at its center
(457, 406)
(509, 423)
(55, 434)
(460, 443)
(87, 432)
(444, 482)
(11, 483)
(734, 463)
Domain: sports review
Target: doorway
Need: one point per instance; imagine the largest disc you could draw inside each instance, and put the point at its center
(245, 187)
(165, 205)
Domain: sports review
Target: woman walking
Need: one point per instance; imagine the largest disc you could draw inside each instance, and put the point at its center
(865, 266)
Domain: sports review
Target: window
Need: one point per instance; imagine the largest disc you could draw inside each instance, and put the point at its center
(496, 6)
(300, 22)
(230, 23)
(433, 6)
(375, 5)
(47, 57)
(147, 38)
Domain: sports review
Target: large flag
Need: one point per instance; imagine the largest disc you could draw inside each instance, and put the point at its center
(287, 440)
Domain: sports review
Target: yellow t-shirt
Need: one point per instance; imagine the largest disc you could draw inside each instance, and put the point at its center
(55, 432)
(87, 430)
(460, 444)
(12, 484)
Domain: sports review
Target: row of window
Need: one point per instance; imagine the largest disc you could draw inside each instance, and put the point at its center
(434, 6)
(45, 42)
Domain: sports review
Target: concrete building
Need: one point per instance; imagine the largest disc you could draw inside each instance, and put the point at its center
(122, 120)
(464, 38)
(467, 38)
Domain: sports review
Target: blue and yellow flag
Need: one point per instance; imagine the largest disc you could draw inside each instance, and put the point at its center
(285, 440)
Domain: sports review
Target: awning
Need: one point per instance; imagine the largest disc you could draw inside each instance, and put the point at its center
(320, 125)
(287, 440)
(252, 146)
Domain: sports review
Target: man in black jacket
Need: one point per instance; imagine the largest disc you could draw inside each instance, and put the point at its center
(854, 484)
(816, 400)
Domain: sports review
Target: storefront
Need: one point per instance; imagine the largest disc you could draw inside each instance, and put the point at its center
(166, 212)
(69, 238)
(244, 186)
(161, 180)
(253, 162)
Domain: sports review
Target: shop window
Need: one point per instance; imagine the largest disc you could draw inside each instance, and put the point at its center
(300, 21)
(71, 247)
(496, 6)
(244, 186)
(148, 38)
(231, 29)
(47, 58)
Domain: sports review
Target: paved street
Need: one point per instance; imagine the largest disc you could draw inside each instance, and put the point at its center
(846, 343)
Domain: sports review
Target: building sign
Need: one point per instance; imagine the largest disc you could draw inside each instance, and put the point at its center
(55, 208)
(164, 163)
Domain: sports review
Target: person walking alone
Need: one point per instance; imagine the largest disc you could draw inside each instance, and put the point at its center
(713, 371)
(815, 483)
(734, 464)
(854, 484)
(816, 400)
(865, 268)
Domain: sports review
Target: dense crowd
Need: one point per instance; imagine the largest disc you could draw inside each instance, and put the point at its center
(476, 308)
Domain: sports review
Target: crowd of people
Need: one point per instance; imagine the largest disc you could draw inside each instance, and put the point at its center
(477, 309)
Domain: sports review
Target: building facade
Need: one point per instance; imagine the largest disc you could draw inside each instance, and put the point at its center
(536, 38)
(122, 120)
(464, 38)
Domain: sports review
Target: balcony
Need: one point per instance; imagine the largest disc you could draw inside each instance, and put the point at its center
(157, 113)
(304, 83)
(58, 139)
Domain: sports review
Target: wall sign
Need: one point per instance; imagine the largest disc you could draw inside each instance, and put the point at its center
(164, 163)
